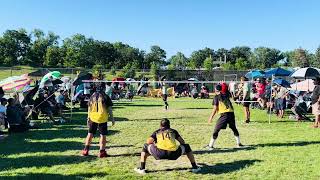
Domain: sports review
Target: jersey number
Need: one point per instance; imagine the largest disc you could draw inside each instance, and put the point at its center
(166, 135)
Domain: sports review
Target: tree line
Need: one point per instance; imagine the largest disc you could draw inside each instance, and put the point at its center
(40, 49)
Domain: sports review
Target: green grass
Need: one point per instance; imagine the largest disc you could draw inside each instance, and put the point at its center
(281, 150)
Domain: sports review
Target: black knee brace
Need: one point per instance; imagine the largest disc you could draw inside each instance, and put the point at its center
(187, 148)
(145, 148)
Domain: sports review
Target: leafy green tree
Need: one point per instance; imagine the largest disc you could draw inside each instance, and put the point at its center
(208, 64)
(197, 57)
(156, 55)
(301, 58)
(264, 57)
(154, 70)
(316, 59)
(129, 71)
(53, 57)
(237, 52)
(39, 46)
(14, 46)
(223, 53)
(73, 48)
(241, 64)
(178, 61)
(228, 66)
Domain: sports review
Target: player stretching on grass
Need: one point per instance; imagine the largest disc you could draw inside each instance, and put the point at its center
(223, 106)
(162, 145)
(99, 111)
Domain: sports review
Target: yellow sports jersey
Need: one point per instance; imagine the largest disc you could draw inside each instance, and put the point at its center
(166, 139)
(222, 107)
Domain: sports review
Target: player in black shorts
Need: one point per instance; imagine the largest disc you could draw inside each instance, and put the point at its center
(99, 112)
(223, 106)
(162, 145)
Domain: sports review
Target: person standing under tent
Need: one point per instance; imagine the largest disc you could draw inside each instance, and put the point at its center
(281, 100)
(162, 145)
(315, 101)
(99, 112)
(223, 106)
(246, 93)
(261, 91)
(165, 94)
(109, 89)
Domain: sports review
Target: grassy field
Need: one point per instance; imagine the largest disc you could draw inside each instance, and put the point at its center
(283, 149)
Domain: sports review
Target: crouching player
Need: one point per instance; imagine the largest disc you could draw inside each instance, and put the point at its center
(162, 145)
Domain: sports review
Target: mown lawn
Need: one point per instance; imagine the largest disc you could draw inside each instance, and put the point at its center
(283, 149)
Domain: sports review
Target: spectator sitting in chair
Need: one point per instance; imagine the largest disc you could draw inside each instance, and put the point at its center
(3, 111)
(60, 104)
(16, 117)
(46, 107)
(194, 92)
(204, 93)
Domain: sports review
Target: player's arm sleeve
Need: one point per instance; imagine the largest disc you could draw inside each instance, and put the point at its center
(154, 136)
(108, 101)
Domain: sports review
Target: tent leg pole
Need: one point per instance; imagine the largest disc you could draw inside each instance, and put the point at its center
(270, 100)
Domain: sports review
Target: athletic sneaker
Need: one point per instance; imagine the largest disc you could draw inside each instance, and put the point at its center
(196, 170)
(85, 152)
(247, 121)
(140, 171)
(209, 147)
(102, 154)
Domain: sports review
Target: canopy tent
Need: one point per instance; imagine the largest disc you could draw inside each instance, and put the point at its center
(306, 73)
(16, 82)
(255, 74)
(306, 85)
(282, 83)
(81, 77)
(277, 72)
(39, 73)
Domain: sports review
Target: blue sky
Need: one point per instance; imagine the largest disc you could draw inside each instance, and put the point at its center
(174, 25)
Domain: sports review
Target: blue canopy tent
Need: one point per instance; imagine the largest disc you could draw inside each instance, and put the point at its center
(255, 74)
(282, 83)
(278, 72)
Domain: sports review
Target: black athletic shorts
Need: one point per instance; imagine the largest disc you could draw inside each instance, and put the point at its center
(225, 119)
(103, 127)
(246, 104)
(163, 154)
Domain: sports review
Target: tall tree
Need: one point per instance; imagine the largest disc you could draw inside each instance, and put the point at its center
(14, 46)
(237, 52)
(39, 46)
(53, 57)
(156, 55)
(208, 64)
(178, 61)
(301, 58)
(197, 57)
(264, 57)
(316, 59)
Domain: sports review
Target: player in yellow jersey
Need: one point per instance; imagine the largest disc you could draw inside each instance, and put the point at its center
(223, 106)
(99, 112)
(162, 145)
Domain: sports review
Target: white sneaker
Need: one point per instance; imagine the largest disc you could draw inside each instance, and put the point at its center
(196, 170)
(140, 171)
(209, 148)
